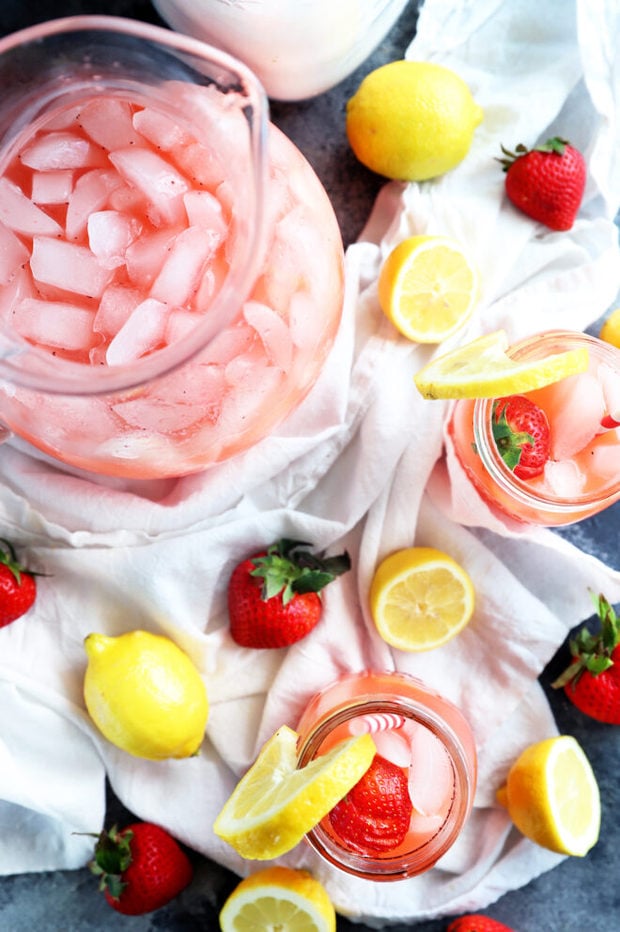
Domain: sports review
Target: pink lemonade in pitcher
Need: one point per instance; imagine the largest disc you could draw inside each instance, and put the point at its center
(579, 469)
(410, 806)
(122, 217)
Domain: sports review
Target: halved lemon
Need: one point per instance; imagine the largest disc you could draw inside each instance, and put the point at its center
(428, 288)
(482, 369)
(278, 898)
(552, 796)
(275, 804)
(420, 598)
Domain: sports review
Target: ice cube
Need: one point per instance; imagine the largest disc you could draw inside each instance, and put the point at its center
(22, 216)
(141, 333)
(578, 406)
(161, 130)
(52, 187)
(157, 179)
(393, 745)
(117, 303)
(204, 210)
(62, 150)
(564, 478)
(68, 266)
(91, 193)
(230, 343)
(200, 164)
(146, 255)
(610, 382)
(159, 416)
(127, 199)
(109, 236)
(180, 323)
(109, 122)
(20, 287)
(179, 276)
(305, 333)
(273, 332)
(431, 776)
(55, 323)
(604, 461)
(13, 254)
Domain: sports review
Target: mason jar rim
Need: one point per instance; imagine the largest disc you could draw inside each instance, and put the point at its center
(421, 859)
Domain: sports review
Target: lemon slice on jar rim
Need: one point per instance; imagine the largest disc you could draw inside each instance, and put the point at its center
(281, 898)
(552, 796)
(420, 598)
(275, 804)
(483, 369)
(428, 288)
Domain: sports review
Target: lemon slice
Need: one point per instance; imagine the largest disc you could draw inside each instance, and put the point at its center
(552, 796)
(420, 598)
(428, 288)
(274, 805)
(482, 369)
(278, 898)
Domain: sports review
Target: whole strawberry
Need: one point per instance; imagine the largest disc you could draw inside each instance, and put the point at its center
(18, 588)
(477, 923)
(273, 597)
(547, 182)
(141, 868)
(592, 681)
(521, 434)
(374, 816)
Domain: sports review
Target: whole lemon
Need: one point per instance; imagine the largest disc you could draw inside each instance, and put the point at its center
(412, 120)
(145, 695)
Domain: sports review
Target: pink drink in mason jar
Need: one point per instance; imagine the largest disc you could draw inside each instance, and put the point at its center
(418, 732)
(582, 473)
(171, 269)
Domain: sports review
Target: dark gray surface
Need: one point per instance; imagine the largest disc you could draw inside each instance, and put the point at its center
(579, 893)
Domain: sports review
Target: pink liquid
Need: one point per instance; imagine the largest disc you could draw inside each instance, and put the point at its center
(582, 475)
(418, 731)
(119, 227)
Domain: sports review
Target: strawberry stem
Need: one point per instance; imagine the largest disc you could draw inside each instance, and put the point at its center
(112, 857)
(290, 568)
(592, 652)
(555, 144)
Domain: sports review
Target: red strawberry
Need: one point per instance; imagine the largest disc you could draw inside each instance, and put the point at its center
(546, 183)
(18, 588)
(141, 868)
(374, 816)
(521, 433)
(273, 598)
(592, 681)
(477, 923)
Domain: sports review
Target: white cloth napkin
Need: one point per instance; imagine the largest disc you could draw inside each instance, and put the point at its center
(357, 466)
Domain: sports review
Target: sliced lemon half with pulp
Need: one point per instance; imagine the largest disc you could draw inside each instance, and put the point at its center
(275, 804)
(279, 898)
(428, 288)
(483, 369)
(552, 796)
(420, 598)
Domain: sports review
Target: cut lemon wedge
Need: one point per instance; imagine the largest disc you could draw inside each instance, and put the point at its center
(552, 796)
(279, 898)
(482, 369)
(275, 804)
(428, 288)
(420, 598)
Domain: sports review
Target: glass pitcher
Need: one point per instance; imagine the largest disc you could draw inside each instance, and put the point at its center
(171, 269)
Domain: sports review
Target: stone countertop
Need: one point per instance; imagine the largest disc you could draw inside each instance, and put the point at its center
(579, 893)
